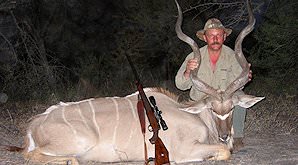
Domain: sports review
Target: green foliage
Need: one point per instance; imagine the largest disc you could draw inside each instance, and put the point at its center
(274, 57)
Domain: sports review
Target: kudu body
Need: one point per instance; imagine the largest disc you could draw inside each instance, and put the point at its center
(108, 129)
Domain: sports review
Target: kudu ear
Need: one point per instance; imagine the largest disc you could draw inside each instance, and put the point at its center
(246, 101)
(197, 107)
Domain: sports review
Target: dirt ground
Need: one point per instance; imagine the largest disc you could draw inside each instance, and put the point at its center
(271, 133)
(275, 150)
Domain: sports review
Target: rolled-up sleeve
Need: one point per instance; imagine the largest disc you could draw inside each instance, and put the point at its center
(181, 82)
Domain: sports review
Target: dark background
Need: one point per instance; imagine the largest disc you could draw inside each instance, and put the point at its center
(73, 49)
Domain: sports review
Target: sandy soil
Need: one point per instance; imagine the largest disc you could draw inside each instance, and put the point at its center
(279, 150)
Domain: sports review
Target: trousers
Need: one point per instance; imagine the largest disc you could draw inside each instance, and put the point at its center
(238, 121)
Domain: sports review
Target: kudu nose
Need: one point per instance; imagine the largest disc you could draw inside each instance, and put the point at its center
(224, 138)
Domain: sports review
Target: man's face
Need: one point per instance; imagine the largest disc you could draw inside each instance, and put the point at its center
(215, 38)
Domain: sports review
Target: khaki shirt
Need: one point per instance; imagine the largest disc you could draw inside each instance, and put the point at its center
(227, 70)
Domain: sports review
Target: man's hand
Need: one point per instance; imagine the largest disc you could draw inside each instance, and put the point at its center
(191, 65)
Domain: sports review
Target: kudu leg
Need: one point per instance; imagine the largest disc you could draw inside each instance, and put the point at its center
(37, 156)
(205, 152)
(219, 152)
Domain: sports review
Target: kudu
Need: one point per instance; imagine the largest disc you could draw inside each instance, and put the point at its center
(108, 129)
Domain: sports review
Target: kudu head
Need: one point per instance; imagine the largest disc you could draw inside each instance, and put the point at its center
(221, 103)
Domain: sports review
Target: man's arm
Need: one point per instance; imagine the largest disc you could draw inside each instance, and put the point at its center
(182, 79)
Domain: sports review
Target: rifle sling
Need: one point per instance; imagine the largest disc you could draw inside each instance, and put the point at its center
(141, 114)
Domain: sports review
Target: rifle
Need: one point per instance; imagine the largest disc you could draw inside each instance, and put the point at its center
(161, 152)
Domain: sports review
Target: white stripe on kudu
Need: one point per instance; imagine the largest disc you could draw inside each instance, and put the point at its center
(117, 119)
(73, 130)
(132, 108)
(94, 119)
(82, 116)
(135, 117)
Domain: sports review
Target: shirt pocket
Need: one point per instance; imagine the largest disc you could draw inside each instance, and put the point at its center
(224, 74)
(225, 77)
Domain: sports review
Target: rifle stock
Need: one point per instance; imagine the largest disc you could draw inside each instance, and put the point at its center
(161, 153)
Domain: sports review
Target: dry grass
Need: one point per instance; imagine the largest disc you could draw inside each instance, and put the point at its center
(274, 115)
(14, 120)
